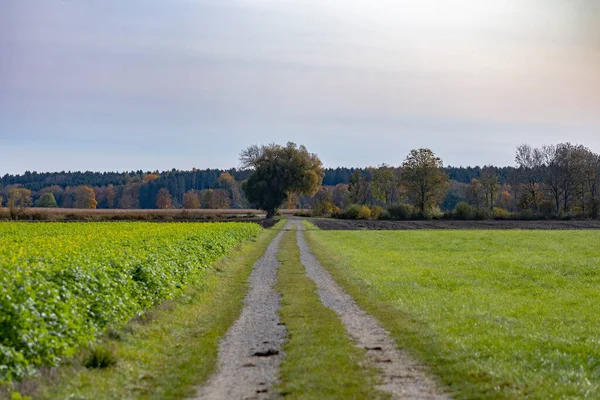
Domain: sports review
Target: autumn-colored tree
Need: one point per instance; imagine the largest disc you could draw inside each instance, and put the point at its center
(46, 200)
(530, 163)
(227, 182)
(191, 200)
(85, 197)
(19, 199)
(221, 199)
(68, 198)
(475, 193)
(323, 203)
(489, 182)
(385, 185)
(150, 177)
(278, 171)
(163, 199)
(339, 194)
(110, 196)
(291, 203)
(424, 178)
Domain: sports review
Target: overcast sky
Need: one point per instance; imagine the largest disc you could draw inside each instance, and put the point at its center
(161, 84)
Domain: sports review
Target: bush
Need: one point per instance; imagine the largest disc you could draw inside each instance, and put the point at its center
(376, 212)
(434, 213)
(527, 215)
(501, 213)
(547, 210)
(463, 211)
(481, 214)
(352, 211)
(385, 214)
(364, 212)
(400, 211)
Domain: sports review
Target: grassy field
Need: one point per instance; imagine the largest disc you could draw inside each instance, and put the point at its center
(320, 362)
(497, 314)
(62, 284)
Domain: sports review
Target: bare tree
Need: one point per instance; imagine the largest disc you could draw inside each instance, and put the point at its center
(529, 162)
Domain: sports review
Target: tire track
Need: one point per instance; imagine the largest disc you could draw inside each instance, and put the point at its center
(251, 352)
(402, 376)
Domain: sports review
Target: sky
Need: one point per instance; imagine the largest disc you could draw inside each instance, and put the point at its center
(113, 85)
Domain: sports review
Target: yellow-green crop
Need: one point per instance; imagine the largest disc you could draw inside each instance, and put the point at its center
(62, 284)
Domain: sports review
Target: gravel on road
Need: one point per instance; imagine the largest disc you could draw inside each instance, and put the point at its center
(251, 352)
(402, 376)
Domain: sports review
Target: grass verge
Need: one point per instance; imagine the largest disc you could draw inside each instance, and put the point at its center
(308, 226)
(496, 314)
(166, 352)
(320, 362)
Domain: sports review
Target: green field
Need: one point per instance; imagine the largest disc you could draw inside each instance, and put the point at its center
(61, 285)
(496, 314)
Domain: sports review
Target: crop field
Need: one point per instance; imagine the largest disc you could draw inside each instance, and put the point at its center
(495, 314)
(63, 284)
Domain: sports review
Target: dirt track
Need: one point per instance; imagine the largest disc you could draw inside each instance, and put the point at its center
(251, 352)
(344, 224)
(402, 377)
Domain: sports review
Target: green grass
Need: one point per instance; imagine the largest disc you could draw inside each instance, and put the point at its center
(496, 314)
(170, 349)
(320, 362)
(309, 226)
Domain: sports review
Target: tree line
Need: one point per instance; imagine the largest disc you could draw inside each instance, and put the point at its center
(552, 181)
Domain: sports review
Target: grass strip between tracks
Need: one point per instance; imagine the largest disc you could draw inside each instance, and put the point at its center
(321, 362)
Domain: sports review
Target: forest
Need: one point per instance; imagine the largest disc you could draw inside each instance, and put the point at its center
(559, 180)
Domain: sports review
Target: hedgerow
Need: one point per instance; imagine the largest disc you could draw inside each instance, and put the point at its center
(63, 284)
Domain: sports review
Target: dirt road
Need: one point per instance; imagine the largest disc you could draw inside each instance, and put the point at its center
(251, 353)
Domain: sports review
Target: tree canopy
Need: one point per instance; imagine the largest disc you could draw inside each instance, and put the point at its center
(278, 172)
(424, 178)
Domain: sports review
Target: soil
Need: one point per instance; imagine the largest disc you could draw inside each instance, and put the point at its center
(345, 224)
(401, 376)
(251, 352)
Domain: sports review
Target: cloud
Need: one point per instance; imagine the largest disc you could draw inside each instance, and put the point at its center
(216, 75)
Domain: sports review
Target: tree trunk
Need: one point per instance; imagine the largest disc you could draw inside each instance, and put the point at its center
(270, 213)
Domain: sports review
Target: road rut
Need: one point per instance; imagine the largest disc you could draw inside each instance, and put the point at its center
(251, 352)
(402, 376)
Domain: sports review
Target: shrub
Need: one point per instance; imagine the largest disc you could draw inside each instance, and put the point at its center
(352, 211)
(547, 210)
(434, 213)
(527, 215)
(385, 214)
(400, 211)
(481, 214)
(501, 213)
(463, 211)
(364, 212)
(376, 211)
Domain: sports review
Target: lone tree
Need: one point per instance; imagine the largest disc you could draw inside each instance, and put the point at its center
(424, 178)
(278, 172)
